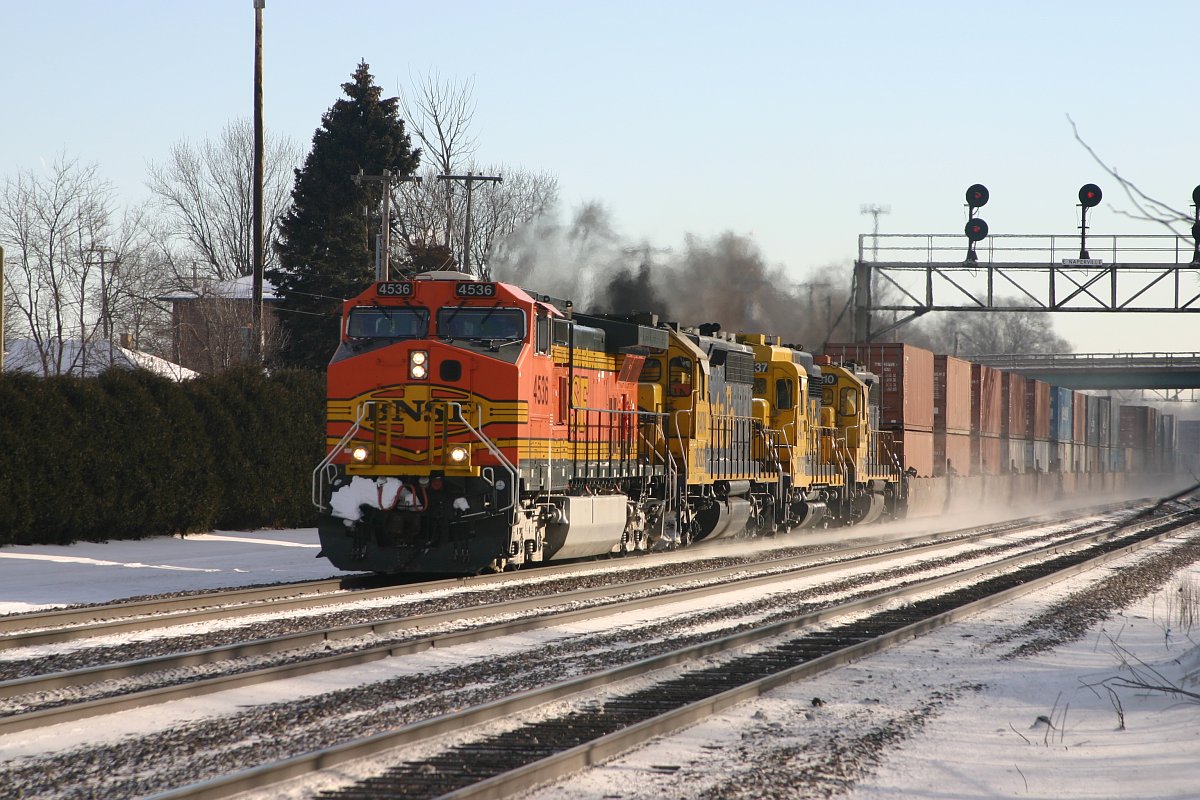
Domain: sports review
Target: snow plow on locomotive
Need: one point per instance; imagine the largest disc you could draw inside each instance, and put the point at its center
(476, 425)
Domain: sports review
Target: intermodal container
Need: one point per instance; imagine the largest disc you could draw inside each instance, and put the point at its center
(1014, 454)
(1166, 442)
(1012, 402)
(1037, 411)
(905, 377)
(1079, 420)
(913, 448)
(1114, 422)
(1037, 455)
(951, 394)
(987, 455)
(1061, 413)
(951, 453)
(1092, 434)
(986, 406)
(1139, 427)
(1104, 421)
(1188, 446)
(1062, 457)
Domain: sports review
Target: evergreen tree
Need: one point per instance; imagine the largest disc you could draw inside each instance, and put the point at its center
(326, 243)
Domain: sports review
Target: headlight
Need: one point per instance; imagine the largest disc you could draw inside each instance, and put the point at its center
(359, 453)
(418, 364)
(458, 454)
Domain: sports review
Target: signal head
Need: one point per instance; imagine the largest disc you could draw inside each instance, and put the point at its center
(1196, 231)
(976, 230)
(1089, 195)
(1196, 196)
(977, 195)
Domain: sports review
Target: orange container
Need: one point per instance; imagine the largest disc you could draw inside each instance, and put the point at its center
(951, 394)
(1012, 413)
(951, 451)
(1037, 410)
(986, 407)
(905, 381)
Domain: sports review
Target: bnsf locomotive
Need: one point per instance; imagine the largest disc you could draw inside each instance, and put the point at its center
(476, 425)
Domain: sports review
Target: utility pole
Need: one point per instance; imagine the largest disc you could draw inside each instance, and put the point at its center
(105, 286)
(384, 242)
(875, 211)
(469, 180)
(1, 308)
(256, 312)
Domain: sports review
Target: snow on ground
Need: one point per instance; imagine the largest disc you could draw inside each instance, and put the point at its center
(49, 576)
(1056, 725)
(1064, 724)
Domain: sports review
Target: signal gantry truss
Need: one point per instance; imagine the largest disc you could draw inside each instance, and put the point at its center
(919, 273)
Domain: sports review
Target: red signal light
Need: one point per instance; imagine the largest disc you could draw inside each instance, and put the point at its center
(976, 230)
(977, 195)
(1089, 195)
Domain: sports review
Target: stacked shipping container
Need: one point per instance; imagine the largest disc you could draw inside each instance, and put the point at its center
(951, 416)
(1188, 446)
(1062, 430)
(1139, 437)
(906, 412)
(1012, 421)
(986, 408)
(1037, 425)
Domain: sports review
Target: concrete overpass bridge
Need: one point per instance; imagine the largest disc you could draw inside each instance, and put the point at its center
(1104, 370)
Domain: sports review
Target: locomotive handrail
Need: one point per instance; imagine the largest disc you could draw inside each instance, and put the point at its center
(496, 452)
(320, 473)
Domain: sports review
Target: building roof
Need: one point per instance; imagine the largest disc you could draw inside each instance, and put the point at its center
(88, 359)
(240, 288)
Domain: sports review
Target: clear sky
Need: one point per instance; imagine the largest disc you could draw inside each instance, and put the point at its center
(775, 120)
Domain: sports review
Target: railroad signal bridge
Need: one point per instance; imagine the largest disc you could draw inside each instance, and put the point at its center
(919, 273)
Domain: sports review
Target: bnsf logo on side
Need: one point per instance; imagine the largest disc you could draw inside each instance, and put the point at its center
(475, 290)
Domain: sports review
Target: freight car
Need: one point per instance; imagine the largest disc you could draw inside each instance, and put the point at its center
(477, 425)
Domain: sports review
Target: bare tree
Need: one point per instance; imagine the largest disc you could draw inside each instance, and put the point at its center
(206, 194)
(76, 271)
(972, 333)
(1146, 208)
(51, 227)
(432, 212)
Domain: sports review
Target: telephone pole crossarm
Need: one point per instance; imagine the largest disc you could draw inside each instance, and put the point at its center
(469, 180)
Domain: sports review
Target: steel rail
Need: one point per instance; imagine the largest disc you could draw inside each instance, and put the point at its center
(72, 624)
(791, 568)
(568, 761)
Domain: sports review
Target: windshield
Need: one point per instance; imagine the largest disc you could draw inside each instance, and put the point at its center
(481, 323)
(382, 322)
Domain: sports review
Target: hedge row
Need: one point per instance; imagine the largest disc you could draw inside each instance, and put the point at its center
(131, 454)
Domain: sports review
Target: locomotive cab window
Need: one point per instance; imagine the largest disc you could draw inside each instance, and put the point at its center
(784, 396)
(848, 405)
(381, 322)
(651, 371)
(481, 323)
(679, 376)
(542, 344)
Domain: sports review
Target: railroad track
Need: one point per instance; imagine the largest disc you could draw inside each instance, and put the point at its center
(55, 626)
(402, 635)
(693, 595)
(500, 764)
